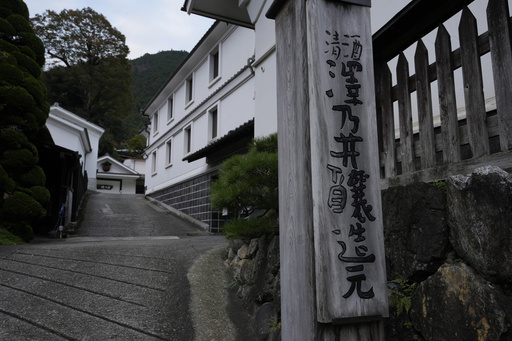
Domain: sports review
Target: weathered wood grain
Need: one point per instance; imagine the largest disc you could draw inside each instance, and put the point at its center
(424, 95)
(344, 141)
(313, 278)
(501, 53)
(298, 305)
(492, 130)
(502, 160)
(447, 98)
(405, 114)
(473, 84)
(387, 119)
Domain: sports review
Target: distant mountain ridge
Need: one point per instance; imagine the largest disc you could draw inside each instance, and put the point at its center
(150, 72)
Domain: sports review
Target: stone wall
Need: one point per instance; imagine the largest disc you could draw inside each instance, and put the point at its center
(448, 258)
(254, 265)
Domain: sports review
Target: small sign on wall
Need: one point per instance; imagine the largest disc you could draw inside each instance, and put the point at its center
(104, 187)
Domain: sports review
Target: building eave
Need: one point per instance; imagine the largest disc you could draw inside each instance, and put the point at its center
(230, 11)
(233, 135)
(110, 159)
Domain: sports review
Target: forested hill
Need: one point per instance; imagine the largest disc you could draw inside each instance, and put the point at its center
(149, 73)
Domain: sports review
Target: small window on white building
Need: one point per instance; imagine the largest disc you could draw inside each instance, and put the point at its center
(214, 64)
(155, 123)
(190, 89)
(153, 163)
(188, 139)
(213, 123)
(168, 153)
(170, 109)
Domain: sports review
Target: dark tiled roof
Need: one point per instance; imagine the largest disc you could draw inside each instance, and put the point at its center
(232, 136)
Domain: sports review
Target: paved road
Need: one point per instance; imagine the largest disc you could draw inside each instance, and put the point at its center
(122, 276)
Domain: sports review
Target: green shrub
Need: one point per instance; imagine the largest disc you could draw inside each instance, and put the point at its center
(13, 139)
(248, 187)
(18, 161)
(15, 6)
(7, 238)
(16, 97)
(7, 185)
(10, 74)
(19, 23)
(23, 207)
(250, 228)
(20, 229)
(34, 177)
(6, 27)
(25, 63)
(33, 42)
(40, 194)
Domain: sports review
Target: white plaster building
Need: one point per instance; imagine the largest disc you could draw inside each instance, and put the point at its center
(115, 177)
(210, 108)
(72, 132)
(221, 96)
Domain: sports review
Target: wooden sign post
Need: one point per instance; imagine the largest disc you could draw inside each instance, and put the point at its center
(333, 276)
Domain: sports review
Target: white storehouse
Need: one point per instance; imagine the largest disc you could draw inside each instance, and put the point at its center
(221, 96)
(115, 177)
(225, 93)
(72, 132)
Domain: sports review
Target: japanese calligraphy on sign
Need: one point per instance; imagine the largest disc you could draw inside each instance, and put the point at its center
(347, 213)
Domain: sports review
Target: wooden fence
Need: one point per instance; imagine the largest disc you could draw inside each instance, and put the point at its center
(80, 183)
(457, 146)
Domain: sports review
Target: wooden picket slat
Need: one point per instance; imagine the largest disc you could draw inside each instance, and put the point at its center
(501, 53)
(473, 84)
(462, 144)
(424, 95)
(447, 98)
(405, 115)
(388, 120)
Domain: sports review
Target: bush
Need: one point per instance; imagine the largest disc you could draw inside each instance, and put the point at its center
(7, 238)
(13, 139)
(248, 188)
(40, 194)
(17, 161)
(34, 177)
(23, 207)
(7, 185)
(21, 230)
(251, 228)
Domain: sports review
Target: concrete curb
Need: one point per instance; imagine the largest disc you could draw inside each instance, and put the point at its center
(178, 213)
(209, 299)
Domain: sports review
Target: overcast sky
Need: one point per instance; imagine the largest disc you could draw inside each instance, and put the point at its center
(149, 26)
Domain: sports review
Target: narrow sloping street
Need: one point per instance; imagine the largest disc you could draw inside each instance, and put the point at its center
(121, 276)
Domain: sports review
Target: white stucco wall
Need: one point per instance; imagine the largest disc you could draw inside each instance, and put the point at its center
(121, 177)
(232, 93)
(75, 133)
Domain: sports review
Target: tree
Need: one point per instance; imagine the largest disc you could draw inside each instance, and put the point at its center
(79, 37)
(23, 111)
(248, 188)
(90, 74)
(136, 146)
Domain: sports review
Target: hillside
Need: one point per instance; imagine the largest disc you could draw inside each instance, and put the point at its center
(150, 72)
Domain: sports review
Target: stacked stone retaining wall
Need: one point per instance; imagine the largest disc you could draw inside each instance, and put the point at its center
(448, 259)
